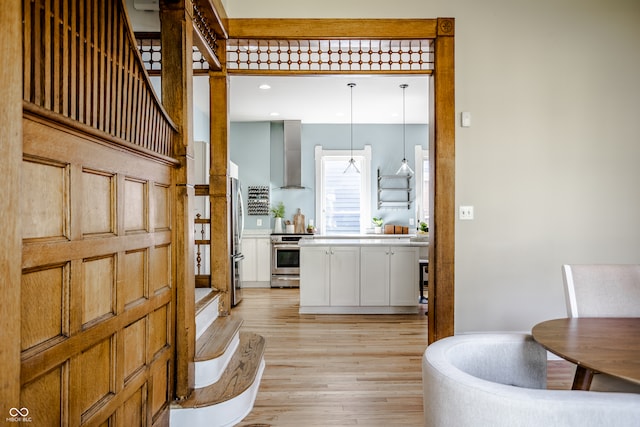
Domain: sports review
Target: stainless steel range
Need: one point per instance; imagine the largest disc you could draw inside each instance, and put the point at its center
(285, 260)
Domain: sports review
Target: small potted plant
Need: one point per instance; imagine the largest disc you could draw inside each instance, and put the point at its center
(377, 221)
(424, 228)
(278, 214)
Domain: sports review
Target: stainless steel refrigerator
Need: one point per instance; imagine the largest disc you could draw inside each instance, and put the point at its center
(237, 228)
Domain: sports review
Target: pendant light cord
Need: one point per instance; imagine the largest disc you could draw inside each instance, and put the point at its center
(352, 162)
(351, 85)
(405, 169)
(404, 124)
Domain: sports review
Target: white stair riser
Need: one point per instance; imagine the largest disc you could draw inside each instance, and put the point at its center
(206, 317)
(224, 414)
(210, 371)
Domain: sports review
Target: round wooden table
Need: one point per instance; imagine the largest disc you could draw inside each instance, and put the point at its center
(594, 344)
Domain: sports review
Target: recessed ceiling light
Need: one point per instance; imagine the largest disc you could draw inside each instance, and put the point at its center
(264, 86)
(274, 114)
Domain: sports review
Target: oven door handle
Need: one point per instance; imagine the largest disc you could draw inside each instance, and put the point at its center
(279, 246)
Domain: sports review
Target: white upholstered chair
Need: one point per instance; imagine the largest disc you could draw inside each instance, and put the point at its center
(499, 380)
(603, 290)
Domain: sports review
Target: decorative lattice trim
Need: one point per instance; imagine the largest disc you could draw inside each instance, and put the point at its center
(330, 55)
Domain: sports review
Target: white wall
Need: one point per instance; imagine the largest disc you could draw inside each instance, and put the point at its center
(551, 162)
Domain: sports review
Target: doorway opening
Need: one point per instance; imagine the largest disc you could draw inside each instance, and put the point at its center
(267, 44)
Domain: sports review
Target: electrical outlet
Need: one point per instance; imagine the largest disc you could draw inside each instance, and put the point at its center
(410, 221)
(466, 212)
(259, 222)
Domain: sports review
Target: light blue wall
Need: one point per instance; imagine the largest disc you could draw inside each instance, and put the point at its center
(257, 149)
(249, 149)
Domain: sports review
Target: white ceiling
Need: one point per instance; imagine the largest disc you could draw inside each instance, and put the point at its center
(326, 99)
(313, 99)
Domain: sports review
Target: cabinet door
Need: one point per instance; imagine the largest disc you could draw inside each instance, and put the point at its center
(403, 276)
(345, 276)
(263, 267)
(374, 276)
(250, 262)
(314, 276)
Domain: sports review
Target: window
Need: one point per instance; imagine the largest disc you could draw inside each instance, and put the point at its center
(343, 200)
(422, 184)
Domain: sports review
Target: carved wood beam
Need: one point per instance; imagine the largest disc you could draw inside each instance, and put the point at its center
(209, 25)
(265, 28)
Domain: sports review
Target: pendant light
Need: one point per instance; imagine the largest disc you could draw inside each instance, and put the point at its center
(352, 162)
(405, 169)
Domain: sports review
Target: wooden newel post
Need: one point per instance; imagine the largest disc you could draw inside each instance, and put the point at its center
(219, 185)
(177, 73)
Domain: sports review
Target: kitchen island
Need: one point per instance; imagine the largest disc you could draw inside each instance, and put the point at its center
(360, 274)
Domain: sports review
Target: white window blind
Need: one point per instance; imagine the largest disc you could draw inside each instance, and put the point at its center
(342, 196)
(343, 202)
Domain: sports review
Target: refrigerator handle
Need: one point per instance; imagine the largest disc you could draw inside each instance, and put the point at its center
(241, 210)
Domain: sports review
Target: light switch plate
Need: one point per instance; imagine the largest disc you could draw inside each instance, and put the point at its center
(259, 222)
(465, 119)
(466, 212)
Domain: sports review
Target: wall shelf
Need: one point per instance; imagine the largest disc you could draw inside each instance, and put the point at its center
(258, 200)
(394, 191)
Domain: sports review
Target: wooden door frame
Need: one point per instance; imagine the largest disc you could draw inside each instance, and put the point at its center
(441, 127)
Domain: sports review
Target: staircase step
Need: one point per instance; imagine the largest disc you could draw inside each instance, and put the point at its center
(206, 309)
(215, 340)
(204, 296)
(231, 398)
(215, 348)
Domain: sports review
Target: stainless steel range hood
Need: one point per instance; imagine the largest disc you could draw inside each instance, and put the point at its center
(292, 155)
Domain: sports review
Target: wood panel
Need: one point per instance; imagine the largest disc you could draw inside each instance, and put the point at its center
(98, 209)
(135, 196)
(43, 396)
(44, 321)
(263, 28)
(135, 347)
(98, 288)
(135, 276)
(44, 202)
(96, 304)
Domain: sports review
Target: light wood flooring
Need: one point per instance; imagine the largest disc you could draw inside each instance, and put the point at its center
(340, 370)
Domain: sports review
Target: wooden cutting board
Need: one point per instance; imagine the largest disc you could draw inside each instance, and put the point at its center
(298, 222)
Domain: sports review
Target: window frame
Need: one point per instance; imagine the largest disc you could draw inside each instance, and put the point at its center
(364, 156)
(421, 205)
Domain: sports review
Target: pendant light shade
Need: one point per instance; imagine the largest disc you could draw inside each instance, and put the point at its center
(405, 169)
(352, 163)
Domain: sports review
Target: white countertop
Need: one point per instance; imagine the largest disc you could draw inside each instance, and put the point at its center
(362, 241)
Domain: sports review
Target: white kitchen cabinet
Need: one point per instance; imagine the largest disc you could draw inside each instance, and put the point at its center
(314, 276)
(250, 261)
(403, 274)
(363, 277)
(344, 281)
(263, 251)
(389, 276)
(374, 273)
(256, 266)
(329, 276)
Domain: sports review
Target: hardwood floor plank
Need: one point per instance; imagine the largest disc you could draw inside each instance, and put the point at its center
(334, 370)
(341, 370)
